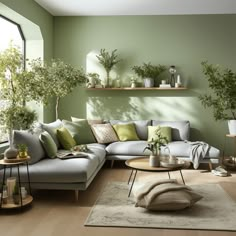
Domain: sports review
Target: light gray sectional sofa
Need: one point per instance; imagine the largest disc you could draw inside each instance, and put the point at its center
(78, 173)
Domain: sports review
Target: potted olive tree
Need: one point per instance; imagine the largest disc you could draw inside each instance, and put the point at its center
(108, 61)
(56, 77)
(149, 73)
(222, 82)
(13, 78)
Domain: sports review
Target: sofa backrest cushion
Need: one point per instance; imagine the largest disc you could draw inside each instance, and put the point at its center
(51, 128)
(90, 121)
(80, 131)
(180, 130)
(65, 138)
(165, 131)
(48, 143)
(35, 149)
(104, 133)
(140, 125)
(126, 132)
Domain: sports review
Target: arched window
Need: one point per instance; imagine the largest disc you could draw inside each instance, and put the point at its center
(10, 31)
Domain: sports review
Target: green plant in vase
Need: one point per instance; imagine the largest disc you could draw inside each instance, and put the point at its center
(108, 61)
(155, 146)
(149, 73)
(222, 99)
(22, 150)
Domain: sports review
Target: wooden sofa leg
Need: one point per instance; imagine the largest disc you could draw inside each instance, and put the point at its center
(76, 195)
(112, 163)
(210, 165)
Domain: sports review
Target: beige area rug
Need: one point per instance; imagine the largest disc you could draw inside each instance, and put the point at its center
(216, 211)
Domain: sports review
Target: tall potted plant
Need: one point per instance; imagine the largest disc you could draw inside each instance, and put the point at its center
(223, 98)
(108, 61)
(13, 77)
(56, 77)
(149, 73)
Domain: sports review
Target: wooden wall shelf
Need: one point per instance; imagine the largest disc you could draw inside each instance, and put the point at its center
(138, 88)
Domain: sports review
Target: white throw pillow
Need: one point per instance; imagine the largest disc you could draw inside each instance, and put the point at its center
(104, 133)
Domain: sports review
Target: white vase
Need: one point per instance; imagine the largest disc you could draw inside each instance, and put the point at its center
(148, 82)
(11, 152)
(232, 127)
(154, 160)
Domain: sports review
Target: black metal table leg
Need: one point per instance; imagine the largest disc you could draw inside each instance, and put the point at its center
(10, 171)
(168, 174)
(182, 176)
(130, 175)
(27, 166)
(19, 183)
(133, 182)
(3, 181)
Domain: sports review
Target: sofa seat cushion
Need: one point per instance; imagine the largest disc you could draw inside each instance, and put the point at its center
(127, 148)
(74, 170)
(181, 148)
(135, 148)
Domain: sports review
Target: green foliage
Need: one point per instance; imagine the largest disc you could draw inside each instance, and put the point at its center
(17, 117)
(56, 78)
(14, 91)
(223, 84)
(108, 61)
(13, 77)
(155, 145)
(22, 147)
(147, 70)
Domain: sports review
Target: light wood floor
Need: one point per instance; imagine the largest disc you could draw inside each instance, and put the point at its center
(55, 213)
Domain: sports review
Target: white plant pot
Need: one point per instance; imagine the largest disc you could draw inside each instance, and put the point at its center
(148, 82)
(232, 127)
(154, 161)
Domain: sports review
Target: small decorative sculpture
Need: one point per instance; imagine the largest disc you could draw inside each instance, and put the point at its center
(172, 71)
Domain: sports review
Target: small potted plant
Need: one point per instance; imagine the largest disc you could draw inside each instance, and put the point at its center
(149, 73)
(155, 146)
(22, 150)
(108, 61)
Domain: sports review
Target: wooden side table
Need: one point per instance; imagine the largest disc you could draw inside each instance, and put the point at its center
(229, 162)
(9, 163)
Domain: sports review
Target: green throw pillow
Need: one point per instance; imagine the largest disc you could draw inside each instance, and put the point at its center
(48, 144)
(65, 138)
(80, 131)
(126, 132)
(165, 131)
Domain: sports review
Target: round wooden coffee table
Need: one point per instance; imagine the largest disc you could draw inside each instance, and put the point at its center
(142, 164)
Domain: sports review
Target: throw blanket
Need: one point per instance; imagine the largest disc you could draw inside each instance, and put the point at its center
(198, 152)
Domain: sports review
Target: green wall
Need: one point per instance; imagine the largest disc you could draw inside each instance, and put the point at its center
(35, 13)
(183, 41)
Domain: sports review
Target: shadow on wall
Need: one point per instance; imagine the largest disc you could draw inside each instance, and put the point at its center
(111, 108)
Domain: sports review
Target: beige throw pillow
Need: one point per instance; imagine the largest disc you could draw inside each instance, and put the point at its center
(104, 133)
(165, 195)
